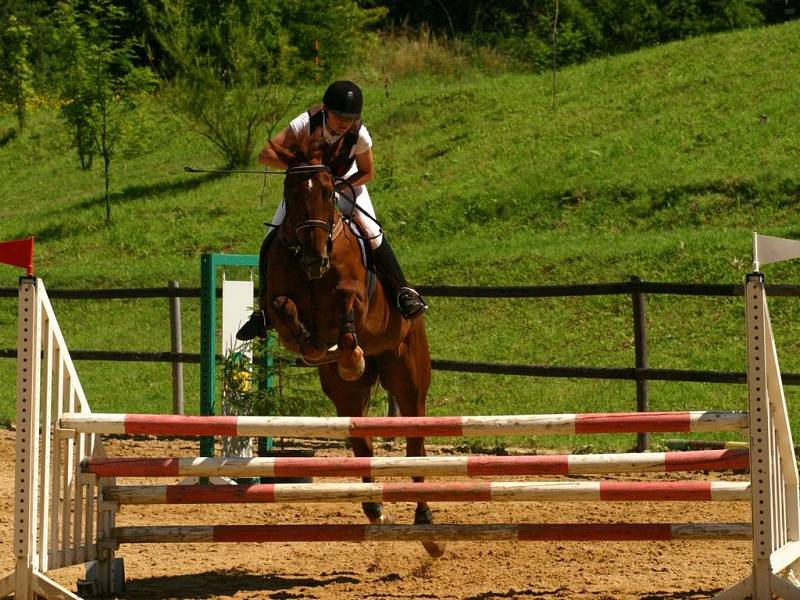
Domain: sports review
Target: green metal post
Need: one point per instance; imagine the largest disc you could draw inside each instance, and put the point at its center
(208, 344)
(265, 443)
(208, 334)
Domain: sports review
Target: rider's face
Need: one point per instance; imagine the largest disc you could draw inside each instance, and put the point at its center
(337, 123)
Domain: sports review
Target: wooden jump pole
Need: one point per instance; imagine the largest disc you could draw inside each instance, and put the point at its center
(485, 491)
(425, 466)
(577, 532)
(346, 427)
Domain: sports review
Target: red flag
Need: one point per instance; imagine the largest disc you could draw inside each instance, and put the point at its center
(18, 253)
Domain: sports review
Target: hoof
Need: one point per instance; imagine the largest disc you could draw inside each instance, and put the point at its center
(374, 512)
(423, 516)
(352, 368)
(384, 519)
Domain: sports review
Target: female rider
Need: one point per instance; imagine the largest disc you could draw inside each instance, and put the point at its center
(347, 150)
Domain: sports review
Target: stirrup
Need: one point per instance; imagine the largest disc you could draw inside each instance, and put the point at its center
(410, 303)
(256, 326)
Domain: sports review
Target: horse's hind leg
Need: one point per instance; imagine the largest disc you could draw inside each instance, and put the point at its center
(423, 514)
(407, 377)
(351, 399)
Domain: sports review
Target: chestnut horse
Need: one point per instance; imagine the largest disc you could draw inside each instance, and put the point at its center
(316, 297)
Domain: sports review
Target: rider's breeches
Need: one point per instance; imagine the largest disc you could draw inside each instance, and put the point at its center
(344, 201)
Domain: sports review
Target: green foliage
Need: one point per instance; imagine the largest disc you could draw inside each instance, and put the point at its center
(227, 74)
(259, 387)
(17, 86)
(660, 163)
(335, 31)
(229, 63)
(586, 28)
(99, 82)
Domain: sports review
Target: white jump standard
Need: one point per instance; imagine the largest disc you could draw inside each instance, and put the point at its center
(67, 497)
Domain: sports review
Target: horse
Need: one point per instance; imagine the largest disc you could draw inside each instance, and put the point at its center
(317, 298)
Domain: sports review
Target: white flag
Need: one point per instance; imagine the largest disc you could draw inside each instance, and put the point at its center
(768, 249)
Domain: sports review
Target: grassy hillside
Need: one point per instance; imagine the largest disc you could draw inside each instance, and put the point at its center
(659, 163)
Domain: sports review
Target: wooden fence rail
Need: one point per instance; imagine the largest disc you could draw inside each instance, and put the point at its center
(637, 289)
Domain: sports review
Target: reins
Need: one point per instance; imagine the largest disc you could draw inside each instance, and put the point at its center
(306, 169)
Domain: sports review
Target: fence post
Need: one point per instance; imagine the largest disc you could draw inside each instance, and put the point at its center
(640, 353)
(176, 344)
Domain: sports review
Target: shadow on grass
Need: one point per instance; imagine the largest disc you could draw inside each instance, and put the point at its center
(787, 190)
(153, 190)
(67, 228)
(7, 136)
(214, 584)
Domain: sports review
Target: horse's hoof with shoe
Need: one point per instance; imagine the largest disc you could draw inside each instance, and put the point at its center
(375, 514)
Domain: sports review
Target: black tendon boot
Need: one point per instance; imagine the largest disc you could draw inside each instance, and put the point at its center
(256, 326)
(258, 323)
(410, 303)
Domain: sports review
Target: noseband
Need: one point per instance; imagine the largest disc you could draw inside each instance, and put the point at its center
(310, 171)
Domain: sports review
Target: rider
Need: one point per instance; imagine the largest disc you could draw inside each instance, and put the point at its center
(347, 150)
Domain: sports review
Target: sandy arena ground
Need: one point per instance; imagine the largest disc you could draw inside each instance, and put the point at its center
(394, 571)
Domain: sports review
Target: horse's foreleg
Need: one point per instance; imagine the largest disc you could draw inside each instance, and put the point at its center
(423, 514)
(362, 447)
(352, 400)
(351, 356)
(286, 310)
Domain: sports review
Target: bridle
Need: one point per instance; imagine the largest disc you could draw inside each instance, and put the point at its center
(330, 225)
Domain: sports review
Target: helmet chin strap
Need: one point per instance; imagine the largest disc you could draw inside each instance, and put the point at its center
(329, 135)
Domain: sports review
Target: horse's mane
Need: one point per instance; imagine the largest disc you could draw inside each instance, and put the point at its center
(299, 153)
(305, 151)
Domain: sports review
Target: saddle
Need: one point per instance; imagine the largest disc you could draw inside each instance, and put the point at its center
(367, 256)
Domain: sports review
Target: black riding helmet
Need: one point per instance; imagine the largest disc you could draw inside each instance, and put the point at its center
(344, 98)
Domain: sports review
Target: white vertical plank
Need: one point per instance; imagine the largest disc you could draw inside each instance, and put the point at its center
(56, 556)
(27, 396)
(91, 491)
(66, 481)
(78, 499)
(45, 443)
(785, 445)
(760, 427)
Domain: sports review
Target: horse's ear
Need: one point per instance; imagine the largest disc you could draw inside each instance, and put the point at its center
(314, 150)
(284, 154)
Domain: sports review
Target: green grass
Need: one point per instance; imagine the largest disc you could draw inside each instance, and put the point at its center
(660, 163)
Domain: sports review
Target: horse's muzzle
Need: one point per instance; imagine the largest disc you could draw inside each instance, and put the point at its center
(314, 267)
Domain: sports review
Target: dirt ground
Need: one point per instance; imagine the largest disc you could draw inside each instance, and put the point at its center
(393, 571)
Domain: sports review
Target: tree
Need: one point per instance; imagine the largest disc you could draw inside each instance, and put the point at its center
(98, 81)
(335, 31)
(229, 64)
(227, 72)
(17, 87)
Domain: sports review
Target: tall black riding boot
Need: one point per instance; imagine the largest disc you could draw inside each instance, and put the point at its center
(410, 303)
(258, 323)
